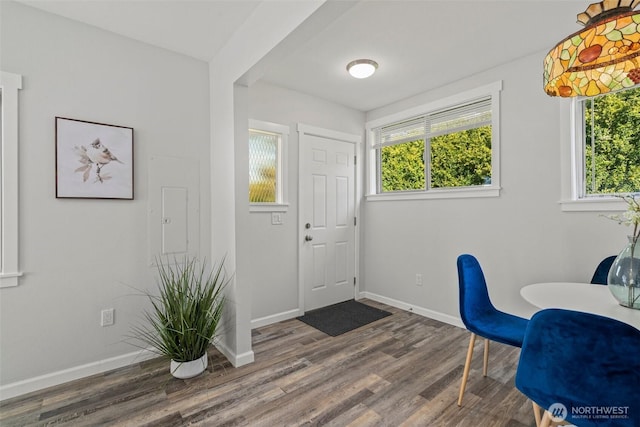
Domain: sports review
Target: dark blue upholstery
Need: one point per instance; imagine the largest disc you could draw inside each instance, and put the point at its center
(582, 360)
(478, 313)
(602, 271)
(481, 317)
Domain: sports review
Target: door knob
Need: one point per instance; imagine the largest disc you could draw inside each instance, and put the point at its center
(308, 238)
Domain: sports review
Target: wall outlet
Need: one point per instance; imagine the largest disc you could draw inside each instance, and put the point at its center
(107, 317)
(418, 279)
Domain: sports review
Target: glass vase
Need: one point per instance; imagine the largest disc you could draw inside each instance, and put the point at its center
(624, 276)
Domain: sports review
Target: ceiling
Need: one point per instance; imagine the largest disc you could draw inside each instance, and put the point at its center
(419, 44)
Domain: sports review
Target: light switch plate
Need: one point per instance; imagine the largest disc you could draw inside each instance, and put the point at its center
(276, 218)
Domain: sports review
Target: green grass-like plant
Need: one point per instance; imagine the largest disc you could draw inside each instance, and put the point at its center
(185, 316)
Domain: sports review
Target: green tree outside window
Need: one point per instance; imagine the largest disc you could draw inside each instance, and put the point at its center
(612, 143)
(457, 159)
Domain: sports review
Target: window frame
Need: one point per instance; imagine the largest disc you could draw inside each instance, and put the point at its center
(491, 90)
(282, 195)
(9, 263)
(574, 198)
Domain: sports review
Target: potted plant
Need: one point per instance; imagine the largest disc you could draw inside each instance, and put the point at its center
(184, 318)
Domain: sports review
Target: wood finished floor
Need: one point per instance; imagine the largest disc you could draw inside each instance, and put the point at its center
(403, 370)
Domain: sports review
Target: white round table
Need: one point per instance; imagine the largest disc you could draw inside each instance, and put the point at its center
(596, 299)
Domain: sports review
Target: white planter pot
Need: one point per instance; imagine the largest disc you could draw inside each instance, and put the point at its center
(191, 369)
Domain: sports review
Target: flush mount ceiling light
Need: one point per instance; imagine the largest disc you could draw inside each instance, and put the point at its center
(599, 59)
(363, 68)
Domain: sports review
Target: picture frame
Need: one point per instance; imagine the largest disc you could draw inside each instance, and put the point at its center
(93, 160)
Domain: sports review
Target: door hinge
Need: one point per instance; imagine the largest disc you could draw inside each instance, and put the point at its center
(355, 221)
(354, 281)
(355, 160)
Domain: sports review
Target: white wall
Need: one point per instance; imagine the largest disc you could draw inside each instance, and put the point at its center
(522, 237)
(267, 254)
(79, 256)
(73, 268)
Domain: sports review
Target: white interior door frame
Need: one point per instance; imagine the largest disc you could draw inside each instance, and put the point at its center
(307, 130)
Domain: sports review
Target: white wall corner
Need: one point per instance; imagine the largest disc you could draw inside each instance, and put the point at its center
(236, 360)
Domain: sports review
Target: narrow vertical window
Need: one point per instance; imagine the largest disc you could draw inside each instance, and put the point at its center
(263, 167)
(611, 143)
(267, 166)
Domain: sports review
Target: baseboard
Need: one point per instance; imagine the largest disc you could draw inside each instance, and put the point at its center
(60, 377)
(275, 318)
(55, 378)
(425, 312)
(236, 360)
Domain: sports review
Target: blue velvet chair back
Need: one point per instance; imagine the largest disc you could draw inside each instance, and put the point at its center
(602, 271)
(478, 314)
(475, 303)
(588, 363)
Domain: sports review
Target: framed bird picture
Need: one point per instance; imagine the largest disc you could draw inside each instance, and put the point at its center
(93, 160)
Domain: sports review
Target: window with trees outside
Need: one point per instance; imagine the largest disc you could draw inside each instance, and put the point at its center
(267, 166)
(608, 142)
(451, 151)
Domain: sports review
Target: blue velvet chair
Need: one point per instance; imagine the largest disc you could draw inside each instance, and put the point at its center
(481, 318)
(602, 271)
(585, 362)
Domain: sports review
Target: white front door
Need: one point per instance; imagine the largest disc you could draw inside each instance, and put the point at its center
(327, 202)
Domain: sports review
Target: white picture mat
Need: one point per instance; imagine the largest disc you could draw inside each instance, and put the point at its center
(74, 134)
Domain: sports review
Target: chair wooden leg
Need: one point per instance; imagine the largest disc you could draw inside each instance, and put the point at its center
(485, 362)
(536, 413)
(546, 419)
(467, 366)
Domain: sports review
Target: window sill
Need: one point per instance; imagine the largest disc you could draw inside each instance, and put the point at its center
(604, 204)
(9, 280)
(268, 207)
(458, 193)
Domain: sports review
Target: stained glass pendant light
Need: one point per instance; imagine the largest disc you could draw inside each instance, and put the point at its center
(601, 58)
